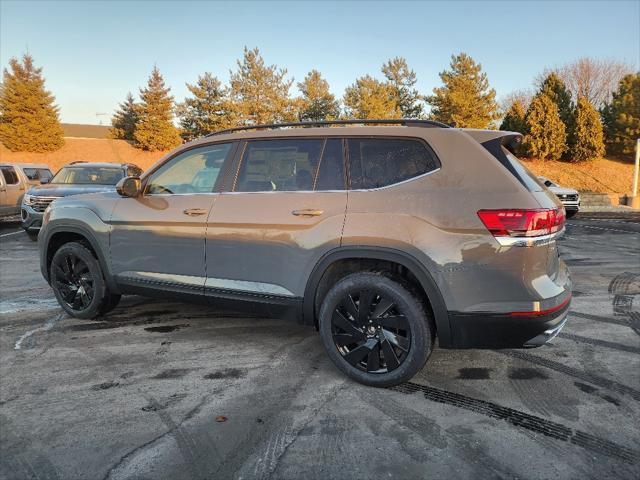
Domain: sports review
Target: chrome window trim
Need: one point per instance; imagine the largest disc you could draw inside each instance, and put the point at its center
(505, 241)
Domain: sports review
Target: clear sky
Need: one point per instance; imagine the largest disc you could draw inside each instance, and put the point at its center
(94, 52)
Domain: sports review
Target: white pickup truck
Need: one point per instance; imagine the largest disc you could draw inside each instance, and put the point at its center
(15, 180)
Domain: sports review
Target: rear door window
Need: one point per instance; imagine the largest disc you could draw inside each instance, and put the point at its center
(379, 162)
(38, 173)
(290, 165)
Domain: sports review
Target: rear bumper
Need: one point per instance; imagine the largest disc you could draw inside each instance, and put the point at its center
(571, 205)
(489, 330)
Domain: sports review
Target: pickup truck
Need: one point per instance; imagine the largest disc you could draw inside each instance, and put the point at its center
(15, 180)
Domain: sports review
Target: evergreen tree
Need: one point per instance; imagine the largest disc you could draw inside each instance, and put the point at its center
(554, 87)
(123, 122)
(403, 81)
(621, 117)
(155, 129)
(317, 102)
(259, 92)
(546, 133)
(207, 110)
(370, 98)
(589, 142)
(514, 120)
(465, 100)
(28, 116)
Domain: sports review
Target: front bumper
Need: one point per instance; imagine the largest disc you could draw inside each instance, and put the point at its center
(31, 219)
(573, 206)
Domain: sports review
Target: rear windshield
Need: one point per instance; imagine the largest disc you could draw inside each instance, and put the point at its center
(526, 176)
(511, 163)
(88, 176)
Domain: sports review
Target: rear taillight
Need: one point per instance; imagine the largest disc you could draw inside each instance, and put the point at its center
(523, 223)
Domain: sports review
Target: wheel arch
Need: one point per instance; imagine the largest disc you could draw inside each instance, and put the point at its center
(422, 275)
(59, 235)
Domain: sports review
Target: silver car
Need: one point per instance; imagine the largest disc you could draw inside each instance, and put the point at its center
(385, 238)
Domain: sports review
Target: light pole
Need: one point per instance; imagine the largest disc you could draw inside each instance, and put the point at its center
(635, 201)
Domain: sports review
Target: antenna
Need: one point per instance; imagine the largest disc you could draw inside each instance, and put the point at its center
(98, 115)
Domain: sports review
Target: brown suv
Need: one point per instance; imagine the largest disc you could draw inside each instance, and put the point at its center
(383, 237)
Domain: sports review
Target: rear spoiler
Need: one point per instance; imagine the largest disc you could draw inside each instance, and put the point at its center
(486, 137)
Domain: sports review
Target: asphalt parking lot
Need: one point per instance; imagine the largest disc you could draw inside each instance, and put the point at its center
(167, 390)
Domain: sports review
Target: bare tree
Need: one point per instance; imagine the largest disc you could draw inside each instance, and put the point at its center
(593, 78)
(523, 96)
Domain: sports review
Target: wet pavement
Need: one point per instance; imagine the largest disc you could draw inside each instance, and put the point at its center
(167, 390)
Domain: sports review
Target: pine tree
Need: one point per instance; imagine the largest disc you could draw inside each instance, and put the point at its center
(317, 102)
(514, 120)
(403, 81)
(546, 133)
(370, 98)
(465, 100)
(589, 142)
(155, 129)
(124, 121)
(207, 110)
(259, 92)
(621, 117)
(28, 116)
(554, 87)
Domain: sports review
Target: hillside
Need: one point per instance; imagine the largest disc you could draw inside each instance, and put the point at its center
(79, 130)
(602, 175)
(89, 149)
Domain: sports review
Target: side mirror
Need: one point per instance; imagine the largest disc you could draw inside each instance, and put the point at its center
(129, 187)
(44, 180)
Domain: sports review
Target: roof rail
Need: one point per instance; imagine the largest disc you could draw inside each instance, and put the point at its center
(407, 122)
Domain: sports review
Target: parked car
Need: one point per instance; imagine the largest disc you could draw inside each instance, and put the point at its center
(72, 179)
(382, 237)
(569, 197)
(15, 179)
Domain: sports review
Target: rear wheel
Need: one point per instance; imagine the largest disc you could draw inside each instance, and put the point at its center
(78, 282)
(375, 329)
(33, 236)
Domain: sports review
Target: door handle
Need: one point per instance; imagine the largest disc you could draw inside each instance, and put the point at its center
(194, 212)
(307, 212)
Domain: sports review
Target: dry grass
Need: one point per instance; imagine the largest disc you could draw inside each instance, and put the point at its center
(88, 149)
(602, 175)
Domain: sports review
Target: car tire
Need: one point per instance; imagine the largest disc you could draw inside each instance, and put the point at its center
(33, 236)
(571, 213)
(380, 345)
(78, 282)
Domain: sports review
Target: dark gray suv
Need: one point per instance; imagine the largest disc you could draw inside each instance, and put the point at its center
(384, 237)
(72, 179)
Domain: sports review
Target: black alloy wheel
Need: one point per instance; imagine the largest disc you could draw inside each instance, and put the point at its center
(73, 279)
(376, 328)
(370, 331)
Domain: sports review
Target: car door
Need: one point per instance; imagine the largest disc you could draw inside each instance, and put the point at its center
(4, 205)
(157, 239)
(14, 190)
(284, 211)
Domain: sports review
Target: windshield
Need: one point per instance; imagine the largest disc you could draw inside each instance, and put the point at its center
(88, 176)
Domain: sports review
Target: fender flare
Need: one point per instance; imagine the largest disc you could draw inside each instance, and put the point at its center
(428, 284)
(88, 235)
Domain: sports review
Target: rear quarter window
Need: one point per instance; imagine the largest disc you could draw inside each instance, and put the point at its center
(379, 162)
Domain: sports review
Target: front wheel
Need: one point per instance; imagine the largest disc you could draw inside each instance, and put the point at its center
(78, 282)
(571, 213)
(375, 329)
(33, 236)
